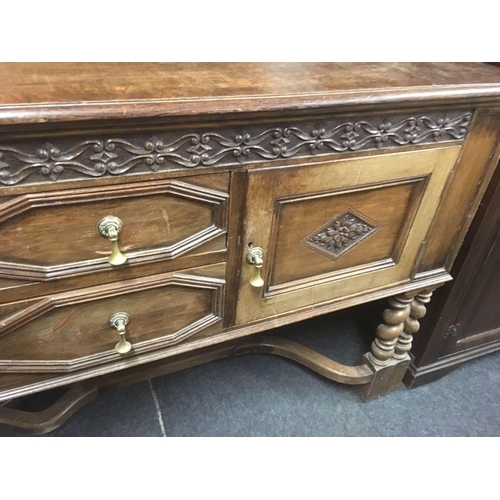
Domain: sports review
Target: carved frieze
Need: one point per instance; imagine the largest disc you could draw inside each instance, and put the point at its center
(41, 161)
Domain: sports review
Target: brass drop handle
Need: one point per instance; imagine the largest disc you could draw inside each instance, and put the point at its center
(119, 321)
(110, 227)
(255, 257)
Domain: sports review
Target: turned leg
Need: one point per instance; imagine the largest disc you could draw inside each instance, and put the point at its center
(412, 325)
(383, 347)
(387, 370)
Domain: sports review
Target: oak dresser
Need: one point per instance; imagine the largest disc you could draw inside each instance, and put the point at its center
(158, 216)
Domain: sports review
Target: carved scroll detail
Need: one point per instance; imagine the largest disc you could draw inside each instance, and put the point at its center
(117, 156)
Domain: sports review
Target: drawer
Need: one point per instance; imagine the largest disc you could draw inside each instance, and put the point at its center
(329, 231)
(71, 331)
(52, 235)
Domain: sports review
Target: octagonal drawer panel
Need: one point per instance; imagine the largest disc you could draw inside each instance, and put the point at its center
(48, 236)
(75, 330)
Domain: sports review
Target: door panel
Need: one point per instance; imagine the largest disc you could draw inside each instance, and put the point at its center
(335, 229)
(343, 242)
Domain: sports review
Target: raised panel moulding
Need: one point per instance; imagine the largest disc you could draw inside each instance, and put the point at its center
(341, 233)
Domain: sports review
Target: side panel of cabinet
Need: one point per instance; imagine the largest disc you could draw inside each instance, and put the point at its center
(477, 315)
(468, 316)
(467, 185)
(463, 320)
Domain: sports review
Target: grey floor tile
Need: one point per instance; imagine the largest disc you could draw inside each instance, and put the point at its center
(123, 412)
(465, 402)
(258, 395)
(495, 357)
(474, 389)
(263, 395)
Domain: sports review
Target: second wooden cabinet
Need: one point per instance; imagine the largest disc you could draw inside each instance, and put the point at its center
(464, 318)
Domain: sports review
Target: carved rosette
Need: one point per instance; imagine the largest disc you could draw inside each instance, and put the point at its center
(97, 157)
(341, 233)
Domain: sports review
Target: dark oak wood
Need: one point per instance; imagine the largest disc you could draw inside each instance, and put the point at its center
(346, 233)
(357, 181)
(411, 325)
(208, 253)
(385, 379)
(13, 385)
(463, 193)
(234, 243)
(47, 159)
(388, 357)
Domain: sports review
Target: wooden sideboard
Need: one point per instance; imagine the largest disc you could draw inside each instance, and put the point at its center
(157, 216)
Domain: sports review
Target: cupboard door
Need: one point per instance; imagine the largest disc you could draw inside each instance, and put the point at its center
(333, 230)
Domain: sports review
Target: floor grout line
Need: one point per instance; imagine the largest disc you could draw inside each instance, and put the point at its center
(158, 409)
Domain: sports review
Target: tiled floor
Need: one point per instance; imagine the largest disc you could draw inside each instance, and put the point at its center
(261, 395)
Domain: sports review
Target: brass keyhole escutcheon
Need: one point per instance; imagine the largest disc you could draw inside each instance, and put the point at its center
(110, 227)
(119, 321)
(255, 257)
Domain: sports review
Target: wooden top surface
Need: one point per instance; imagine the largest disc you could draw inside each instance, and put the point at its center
(38, 92)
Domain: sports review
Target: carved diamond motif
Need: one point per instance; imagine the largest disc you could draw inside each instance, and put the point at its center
(341, 233)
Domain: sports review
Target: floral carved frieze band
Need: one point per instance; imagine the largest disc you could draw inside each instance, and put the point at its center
(165, 150)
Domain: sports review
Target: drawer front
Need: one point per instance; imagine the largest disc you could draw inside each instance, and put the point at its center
(336, 229)
(53, 235)
(71, 331)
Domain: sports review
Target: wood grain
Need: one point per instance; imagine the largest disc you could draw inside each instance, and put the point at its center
(41, 422)
(14, 385)
(297, 216)
(74, 91)
(75, 154)
(220, 156)
(71, 331)
(467, 184)
(52, 235)
(464, 322)
(208, 253)
(44, 421)
(268, 186)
